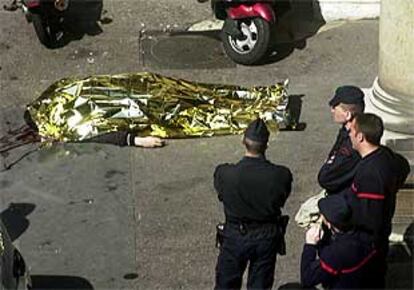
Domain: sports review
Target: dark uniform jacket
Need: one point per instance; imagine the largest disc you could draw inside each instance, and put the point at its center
(346, 261)
(337, 173)
(253, 190)
(373, 192)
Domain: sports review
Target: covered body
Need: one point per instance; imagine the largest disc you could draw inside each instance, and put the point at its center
(150, 104)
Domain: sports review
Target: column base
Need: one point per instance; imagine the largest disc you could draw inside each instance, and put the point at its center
(398, 117)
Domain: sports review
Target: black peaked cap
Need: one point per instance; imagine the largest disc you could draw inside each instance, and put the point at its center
(336, 210)
(348, 95)
(257, 131)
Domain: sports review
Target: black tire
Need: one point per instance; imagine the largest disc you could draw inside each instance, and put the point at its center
(20, 272)
(43, 32)
(248, 55)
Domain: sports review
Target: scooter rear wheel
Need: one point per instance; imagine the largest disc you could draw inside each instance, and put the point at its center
(45, 36)
(252, 45)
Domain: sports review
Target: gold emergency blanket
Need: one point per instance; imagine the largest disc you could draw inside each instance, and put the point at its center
(150, 104)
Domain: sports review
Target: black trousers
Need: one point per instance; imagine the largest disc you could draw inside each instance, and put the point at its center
(256, 248)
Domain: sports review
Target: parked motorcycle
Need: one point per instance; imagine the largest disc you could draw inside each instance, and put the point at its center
(246, 33)
(47, 19)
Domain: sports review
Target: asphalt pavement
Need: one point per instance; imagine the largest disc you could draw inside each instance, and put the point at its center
(103, 217)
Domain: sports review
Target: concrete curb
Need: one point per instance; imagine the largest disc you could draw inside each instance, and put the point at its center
(206, 25)
(210, 25)
(348, 9)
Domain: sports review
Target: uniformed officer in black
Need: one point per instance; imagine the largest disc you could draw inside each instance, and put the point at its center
(344, 259)
(253, 191)
(380, 174)
(337, 172)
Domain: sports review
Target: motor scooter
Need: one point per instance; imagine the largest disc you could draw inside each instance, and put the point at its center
(46, 17)
(247, 28)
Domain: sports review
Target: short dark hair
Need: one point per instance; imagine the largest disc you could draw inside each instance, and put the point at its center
(371, 126)
(255, 147)
(353, 108)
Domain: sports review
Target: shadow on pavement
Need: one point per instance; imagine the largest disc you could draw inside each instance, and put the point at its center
(400, 262)
(40, 282)
(14, 218)
(82, 18)
(298, 20)
(295, 109)
(197, 50)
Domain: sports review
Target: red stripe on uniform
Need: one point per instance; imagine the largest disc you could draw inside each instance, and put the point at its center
(369, 195)
(325, 266)
(328, 268)
(362, 263)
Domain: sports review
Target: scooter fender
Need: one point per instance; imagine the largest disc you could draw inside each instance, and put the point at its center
(31, 7)
(263, 10)
(32, 4)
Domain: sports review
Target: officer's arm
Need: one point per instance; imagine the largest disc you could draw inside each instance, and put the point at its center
(366, 198)
(288, 188)
(289, 184)
(311, 272)
(283, 178)
(404, 166)
(217, 182)
(338, 171)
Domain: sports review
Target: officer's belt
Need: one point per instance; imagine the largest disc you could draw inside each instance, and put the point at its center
(250, 224)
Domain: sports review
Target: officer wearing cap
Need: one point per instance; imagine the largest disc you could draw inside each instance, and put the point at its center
(344, 259)
(337, 172)
(253, 191)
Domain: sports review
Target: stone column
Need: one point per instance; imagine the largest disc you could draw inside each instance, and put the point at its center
(393, 92)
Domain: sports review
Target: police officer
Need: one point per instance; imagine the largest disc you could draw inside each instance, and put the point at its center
(344, 259)
(253, 191)
(380, 174)
(337, 172)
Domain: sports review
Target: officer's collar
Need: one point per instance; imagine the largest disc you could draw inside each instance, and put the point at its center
(372, 153)
(251, 158)
(344, 129)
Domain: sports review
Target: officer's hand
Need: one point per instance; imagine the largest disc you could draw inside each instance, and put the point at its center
(149, 142)
(314, 235)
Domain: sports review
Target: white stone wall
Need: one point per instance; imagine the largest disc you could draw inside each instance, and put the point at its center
(349, 9)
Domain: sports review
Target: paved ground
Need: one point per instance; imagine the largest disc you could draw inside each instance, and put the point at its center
(104, 217)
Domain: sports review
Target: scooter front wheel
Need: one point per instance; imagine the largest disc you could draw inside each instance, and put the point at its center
(251, 45)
